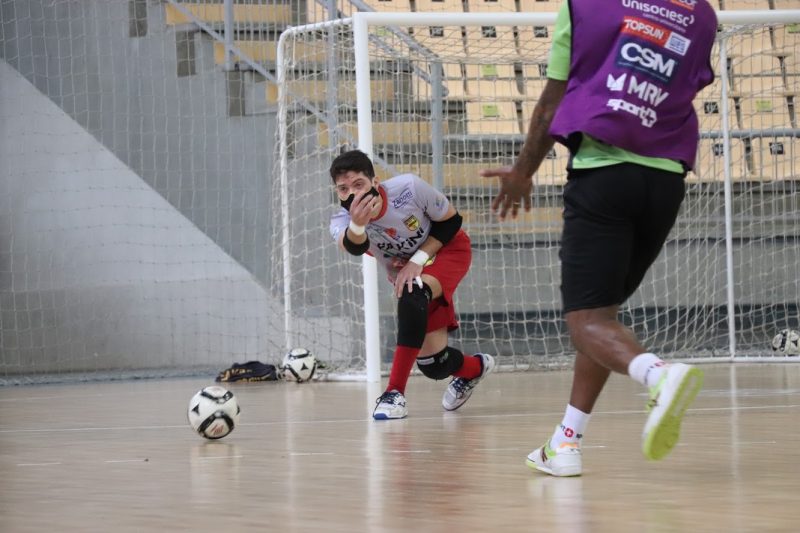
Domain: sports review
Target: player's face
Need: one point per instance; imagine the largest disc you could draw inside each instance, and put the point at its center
(356, 183)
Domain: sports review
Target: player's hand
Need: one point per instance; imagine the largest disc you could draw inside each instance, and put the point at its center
(363, 206)
(406, 278)
(515, 191)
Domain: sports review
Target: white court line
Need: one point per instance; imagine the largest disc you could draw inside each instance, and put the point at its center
(310, 453)
(37, 464)
(409, 451)
(128, 460)
(67, 396)
(370, 420)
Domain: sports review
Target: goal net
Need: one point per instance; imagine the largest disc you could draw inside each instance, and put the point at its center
(450, 97)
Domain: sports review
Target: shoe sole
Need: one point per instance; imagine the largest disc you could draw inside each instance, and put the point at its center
(382, 416)
(664, 436)
(533, 465)
(491, 368)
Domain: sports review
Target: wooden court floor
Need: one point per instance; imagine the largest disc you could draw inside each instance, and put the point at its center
(120, 457)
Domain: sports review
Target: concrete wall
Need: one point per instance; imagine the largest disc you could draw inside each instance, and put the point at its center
(173, 131)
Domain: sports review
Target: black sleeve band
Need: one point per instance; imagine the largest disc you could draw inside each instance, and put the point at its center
(444, 230)
(353, 248)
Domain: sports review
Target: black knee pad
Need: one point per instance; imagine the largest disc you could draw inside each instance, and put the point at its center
(441, 365)
(412, 316)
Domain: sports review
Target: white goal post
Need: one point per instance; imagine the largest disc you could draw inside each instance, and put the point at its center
(443, 94)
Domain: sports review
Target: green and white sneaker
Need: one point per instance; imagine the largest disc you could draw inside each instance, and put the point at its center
(669, 400)
(564, 461)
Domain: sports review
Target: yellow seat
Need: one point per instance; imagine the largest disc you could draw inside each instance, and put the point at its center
(496, 118)
(315, 91)
(763, 111)
(547, 220)
(454, 175)
(259, 51)
(386, 132)
(317, 12)
(748, 40)
(534, 42)
(539, 6)
(494, 6)
(390, 6)
(708, 106)
(274, 13)
(452, 79)
(492, 82)
(787, 37)
(432, 6)
(778, 158)
(493, 43)
(445, 42)
(533, 90)
(710, 162)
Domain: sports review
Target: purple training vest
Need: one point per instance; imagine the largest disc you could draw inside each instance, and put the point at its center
(635, 67)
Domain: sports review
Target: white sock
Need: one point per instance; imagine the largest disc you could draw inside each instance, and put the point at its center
(571, 428)
(646, 368)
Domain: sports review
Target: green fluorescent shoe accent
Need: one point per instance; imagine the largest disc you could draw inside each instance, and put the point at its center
(665, 434)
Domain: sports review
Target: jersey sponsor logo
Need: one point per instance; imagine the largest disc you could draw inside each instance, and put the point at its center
(687, 4)
(391, 232)
(650, 93)
(616, 84)
(663, 13)
(646, 60)
(412, 223)
(646, 114)
(407, 245)
(403, 199)
(655, 33)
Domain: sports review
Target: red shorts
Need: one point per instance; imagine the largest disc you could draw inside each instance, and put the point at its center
(449, 267)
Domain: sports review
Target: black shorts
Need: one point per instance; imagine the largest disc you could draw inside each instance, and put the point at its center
(616, 220)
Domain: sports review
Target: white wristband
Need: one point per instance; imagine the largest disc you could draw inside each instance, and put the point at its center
(355, 229)
(420, 258)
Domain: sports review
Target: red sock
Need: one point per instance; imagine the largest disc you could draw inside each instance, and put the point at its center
(403, 362)
(471, 368)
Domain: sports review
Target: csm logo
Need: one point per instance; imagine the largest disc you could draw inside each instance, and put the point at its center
(647, 60)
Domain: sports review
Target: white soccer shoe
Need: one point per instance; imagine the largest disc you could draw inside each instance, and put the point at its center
(669, 400)
(564, 461)
(389, 406)
(460, 389)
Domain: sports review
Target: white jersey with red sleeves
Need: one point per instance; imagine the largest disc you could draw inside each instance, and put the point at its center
(409, 206)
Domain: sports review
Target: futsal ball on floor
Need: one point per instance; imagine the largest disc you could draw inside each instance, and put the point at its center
(213, 412)
(786, 342)
(298, 365)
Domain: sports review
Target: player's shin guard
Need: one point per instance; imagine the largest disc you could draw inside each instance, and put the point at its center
(412, 322)
(412, 316)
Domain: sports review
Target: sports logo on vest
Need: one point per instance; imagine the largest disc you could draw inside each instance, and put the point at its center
(655, 33)
(646, 60)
